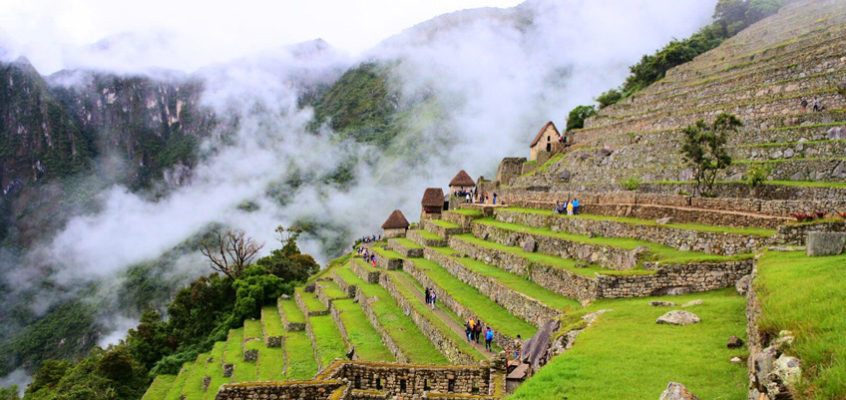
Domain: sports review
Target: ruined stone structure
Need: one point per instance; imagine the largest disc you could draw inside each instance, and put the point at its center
(461, 182)
(546, 142)
(433, 204)
(395, 226)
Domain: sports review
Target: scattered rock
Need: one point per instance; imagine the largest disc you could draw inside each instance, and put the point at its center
(836, 133)
(734, 342)
(776, 155)
(677, 291)
(662, 304)
(285, 297)
(693, 303)
(785, 338)
(839, 170)
(788, 369)
(678, 317)
(580, 265)
(564, 176)
(788, 153)
(764, 365)
(736, 360)
(664, 221)
(604, 152)
(529, 245)
(742, 284)
(825, 243)
(677, 391)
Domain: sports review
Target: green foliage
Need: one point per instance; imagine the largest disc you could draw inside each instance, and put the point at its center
(288, 263)
(9, 393)
(705, 152)
(630, 184)
(104, 375)
(608, 98)
(576, 117)
(757, 174)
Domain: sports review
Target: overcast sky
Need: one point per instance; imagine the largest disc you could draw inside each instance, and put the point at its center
(188, 34)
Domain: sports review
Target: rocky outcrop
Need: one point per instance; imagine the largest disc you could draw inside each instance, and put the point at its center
(677, 391)
(678, 317)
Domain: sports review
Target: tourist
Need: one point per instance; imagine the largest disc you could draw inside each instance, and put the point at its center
(427, 296)
(468, 331)
(575, 206)
(488, 338)
(477, 331)
(804, 104)
(817, 104)
(518, 346)
(494, 198)
(569, 208)
(374, 260)
(434, 297)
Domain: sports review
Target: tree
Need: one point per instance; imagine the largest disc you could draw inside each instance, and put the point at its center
(608, 98)
(577, 116)
(704, 149)
(288, 263)
(230, 252)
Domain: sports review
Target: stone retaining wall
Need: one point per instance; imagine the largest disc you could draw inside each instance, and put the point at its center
(336, 316)
(389, 264)
(289, 326)
(440, 340)
(406, 382)
(306, 312)
(440, 230)
(322, 296)
(459, 309)
(558, 280)
(406, 252)
(348, 288)
(293, 390)
(522, 306)
(461, 220)
(754, 340)
(608, 257)
(416, 237)
(719, 243)
(387, 340)
(798, 233)
(361, 272)
(698, 277)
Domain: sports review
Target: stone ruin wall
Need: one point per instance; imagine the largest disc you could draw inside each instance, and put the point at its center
(292, 390)
(698, 277)
(798, 233)
(522, 306)
(718, 243)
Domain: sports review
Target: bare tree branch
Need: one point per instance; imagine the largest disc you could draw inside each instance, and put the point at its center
(230, 252)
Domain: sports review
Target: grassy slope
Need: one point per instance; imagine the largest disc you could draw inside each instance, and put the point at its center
(445, 224)
(193, 388)
(301, 362)
(401, 328)
(638, 221)
(367, 342)
(485, 308)
(805, 295)
(408, 243)
(271, 321)
(466, 211)
(626, 355)
(310, 300)
(662, 253)
(516, 283)
(159, 388)
(327, 338)
(292, 312)
(271, 363)
(383, 252)
(331, 289)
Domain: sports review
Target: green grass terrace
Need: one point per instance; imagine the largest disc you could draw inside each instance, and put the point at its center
(660, 253)
(472, 212)
(751, 231)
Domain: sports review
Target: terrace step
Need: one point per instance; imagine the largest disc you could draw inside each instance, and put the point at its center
(425, 238)
(406, 247)
(386, 259)
(463, 216)
(443, 332)
(308, 303)
(467, 302)
(273, 331)
(293, 318)
(327, 292)
(357, 331)
(160, 387)
(442, 228)
(326, 340)
(175, 391)
(365, 271)
(705, 238)
(399, 333)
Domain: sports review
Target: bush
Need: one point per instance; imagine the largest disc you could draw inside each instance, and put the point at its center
(608, 98)
(577, 116)
(630, 184)
(757, 174)
(704, 150)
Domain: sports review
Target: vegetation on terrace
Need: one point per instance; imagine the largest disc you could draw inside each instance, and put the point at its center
(327, 339)
(805, 296)
(472, 212)
(292, 312)
(408, 244)
(644, 356)
(361, 334)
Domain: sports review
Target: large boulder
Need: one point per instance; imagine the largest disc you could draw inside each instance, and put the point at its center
(825, 243)
(742, 284)
(677, 391)
(678, 317)
(836, 133)
(529, 245)
(734, 342)
(788, 369)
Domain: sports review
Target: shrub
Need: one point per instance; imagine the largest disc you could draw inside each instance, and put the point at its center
(608, 98)
(705, 151)
(757, 174)
(577, 116)
(631, 183)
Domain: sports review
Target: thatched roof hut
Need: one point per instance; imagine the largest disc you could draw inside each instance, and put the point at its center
(433, 197)
(396, 221)
(462, 179)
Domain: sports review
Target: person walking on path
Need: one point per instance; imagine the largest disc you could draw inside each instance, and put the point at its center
(569, 208)
(575, 206)
(488, 338)
(434, 297)
(477, 331)
(816, 104)
(518, 346)
(804, 104)
(468, 331)
(427, 296)
(494, 198)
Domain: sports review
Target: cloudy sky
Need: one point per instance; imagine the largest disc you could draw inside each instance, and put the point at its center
(188, 34)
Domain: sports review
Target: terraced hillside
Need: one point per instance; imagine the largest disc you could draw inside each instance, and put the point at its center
(760, 75)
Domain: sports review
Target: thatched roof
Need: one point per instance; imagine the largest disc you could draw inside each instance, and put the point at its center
(541, 131)
(395, 221)
(433, 197)
(462, 179)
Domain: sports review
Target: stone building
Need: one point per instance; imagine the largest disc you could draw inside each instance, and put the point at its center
(546, 142)
(461, 182)
(433, 204)
(395, 226)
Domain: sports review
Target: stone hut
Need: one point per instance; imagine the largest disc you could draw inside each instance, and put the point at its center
(546, 141)
(433, 204)
(395, 226)
(461, 182)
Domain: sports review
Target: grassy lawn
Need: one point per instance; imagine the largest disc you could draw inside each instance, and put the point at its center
(805, 295)
(552, 261)
(429, 235)
(444, 224)
(752, 231)
(176, 388)
(159, 388)
(272, 322)
(383, 252)
(292, 312)
(626, 355)
(331, 289)
(193, 388)
(335, 262)
(516, 283)
(776, 183)
(472, 212)
(408, 244)
(482, 306)
(215, 371)
(367, 342)
(271, 363)
(660, 252)
(252, 329)
(301, 363)
(233, 352)
(365, 265)
(327, 338)
(400, 327)
(407, 290)
(310, 300)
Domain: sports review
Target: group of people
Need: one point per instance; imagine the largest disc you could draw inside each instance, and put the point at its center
(371, 238)
(815, 104)
(366, 254)
(431, 296)
(568, 207)
(473, 330)
(483, 198)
